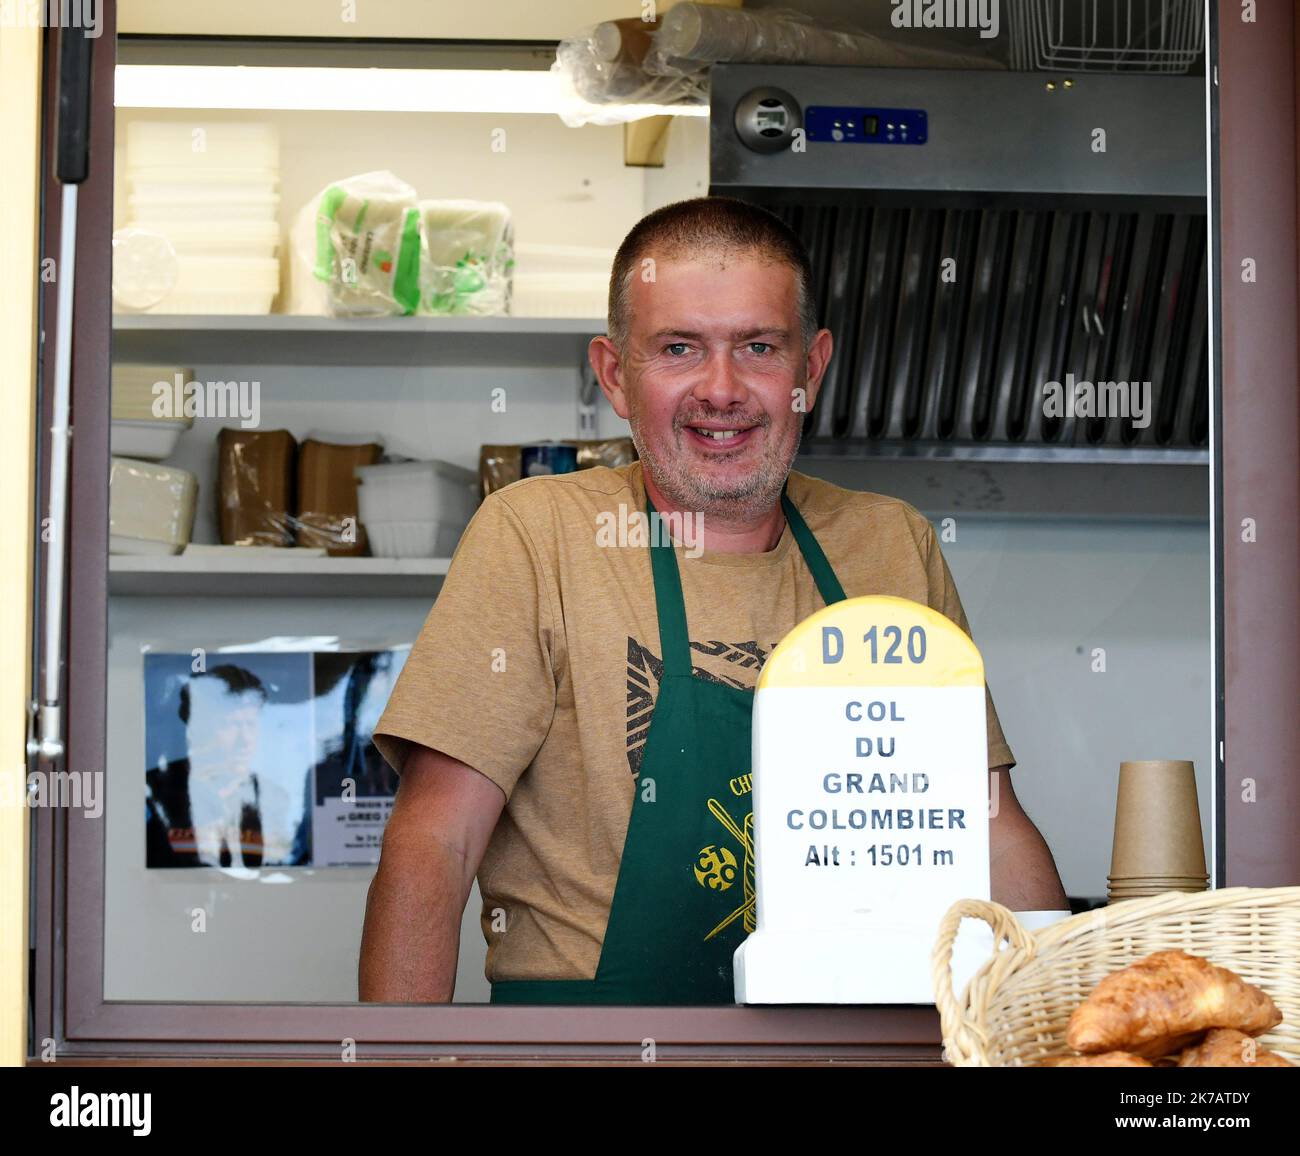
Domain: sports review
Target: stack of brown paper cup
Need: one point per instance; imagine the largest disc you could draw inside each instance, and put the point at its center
(1158, 844)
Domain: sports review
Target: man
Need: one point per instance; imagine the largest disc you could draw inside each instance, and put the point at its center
(583, 809)
(204, 809)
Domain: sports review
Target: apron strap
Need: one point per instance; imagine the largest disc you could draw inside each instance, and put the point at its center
(828, 585)
(671, 606)
(673, 639)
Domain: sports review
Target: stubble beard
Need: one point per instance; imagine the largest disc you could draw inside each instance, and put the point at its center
(740, 500)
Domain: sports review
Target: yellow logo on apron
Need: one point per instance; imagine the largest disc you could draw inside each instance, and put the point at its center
(715, 867)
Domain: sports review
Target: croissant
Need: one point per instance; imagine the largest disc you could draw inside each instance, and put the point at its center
(1163, 1003)
(1105, 1060)
(1227, 1048)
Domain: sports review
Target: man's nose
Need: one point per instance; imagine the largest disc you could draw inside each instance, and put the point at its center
(721, 384)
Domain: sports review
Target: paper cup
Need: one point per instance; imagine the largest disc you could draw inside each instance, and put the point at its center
(1157, 821)
(1155, 889)
(1147, 892)
(1148, 880)
(1153, 881)
(1158, 875)
(1157, 878)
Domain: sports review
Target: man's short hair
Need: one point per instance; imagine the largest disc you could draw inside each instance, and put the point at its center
(702, 225)
(238, 680)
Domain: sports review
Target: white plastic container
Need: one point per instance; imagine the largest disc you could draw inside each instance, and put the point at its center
(132, 395)
(150, 507)
(218, 186)
(210, 144)
(413, 539)
(415, 509)
(184, 172)
(416, 491)
(223, 285)
(157, 211)
(144, 268)
(150, 440)
(223, 238)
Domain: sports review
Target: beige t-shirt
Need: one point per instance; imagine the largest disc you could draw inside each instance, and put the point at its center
(539, 665)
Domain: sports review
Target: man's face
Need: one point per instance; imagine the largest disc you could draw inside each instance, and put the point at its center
(223, 726)
(709, 377)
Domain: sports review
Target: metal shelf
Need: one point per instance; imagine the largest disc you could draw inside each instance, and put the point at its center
(1060, 483)
(205, 575)
(284, 339)
(1099, 455)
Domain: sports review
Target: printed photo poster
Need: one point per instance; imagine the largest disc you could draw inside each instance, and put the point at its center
(228, 759)
(354, 785)
(264, 758)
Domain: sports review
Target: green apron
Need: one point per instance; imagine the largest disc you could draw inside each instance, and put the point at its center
(685, 898)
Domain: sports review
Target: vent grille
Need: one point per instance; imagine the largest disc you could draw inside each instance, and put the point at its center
(950, 323)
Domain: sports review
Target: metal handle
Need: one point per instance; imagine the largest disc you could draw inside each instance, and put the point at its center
(45, 739)
(73, 158)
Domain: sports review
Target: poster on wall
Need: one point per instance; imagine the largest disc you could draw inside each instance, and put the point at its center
(264, 758)
(355, 787)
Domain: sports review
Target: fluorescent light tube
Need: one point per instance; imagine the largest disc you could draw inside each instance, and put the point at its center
(502, 91)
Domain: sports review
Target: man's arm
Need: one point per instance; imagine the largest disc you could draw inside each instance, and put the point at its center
(443, 817)
(1023, 874)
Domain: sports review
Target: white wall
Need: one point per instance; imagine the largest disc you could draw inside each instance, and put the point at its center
(1041, 596)
(1044, 587)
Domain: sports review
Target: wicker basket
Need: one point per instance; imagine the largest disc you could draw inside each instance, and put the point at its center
(1015, 1009)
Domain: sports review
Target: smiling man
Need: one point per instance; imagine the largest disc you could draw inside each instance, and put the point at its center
(573, 723)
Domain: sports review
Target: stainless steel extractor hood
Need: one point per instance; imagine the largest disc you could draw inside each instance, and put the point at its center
(976, 236)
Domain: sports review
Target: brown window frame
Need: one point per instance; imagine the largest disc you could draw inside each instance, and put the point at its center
(1258, 680)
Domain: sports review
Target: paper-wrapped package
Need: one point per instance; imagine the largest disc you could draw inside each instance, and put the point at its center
(469, 256)
(328, 515)
(692, 37)
(602, 76)
(255, 473)
(356, 249)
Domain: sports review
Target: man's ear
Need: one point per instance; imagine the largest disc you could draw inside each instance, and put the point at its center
(606, 365)
(819, 357)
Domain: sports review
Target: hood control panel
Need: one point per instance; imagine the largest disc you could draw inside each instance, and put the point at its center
(843, 125)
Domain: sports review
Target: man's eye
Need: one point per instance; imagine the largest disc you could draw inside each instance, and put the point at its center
(677, 348)
(760, 346)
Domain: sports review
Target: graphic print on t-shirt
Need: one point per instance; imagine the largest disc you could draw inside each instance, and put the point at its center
(718, 865)
(645, 670)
